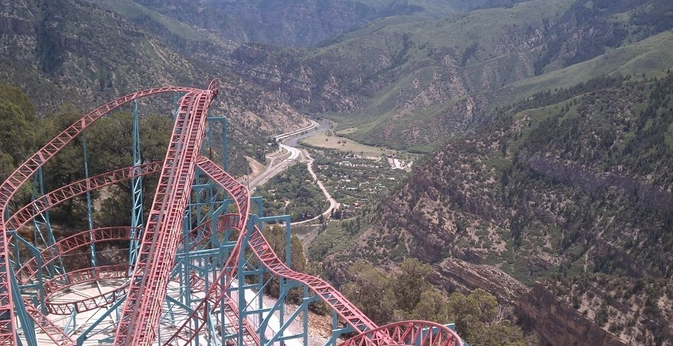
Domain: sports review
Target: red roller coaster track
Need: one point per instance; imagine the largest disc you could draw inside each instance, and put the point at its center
(21, 175)
(161, 238)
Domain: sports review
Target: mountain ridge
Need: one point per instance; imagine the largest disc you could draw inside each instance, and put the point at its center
(402, 68)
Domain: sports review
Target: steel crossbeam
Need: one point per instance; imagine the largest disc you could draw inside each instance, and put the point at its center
(82, 276)
(168, 236)
(68, 245)
(60, 195)
(216, 291)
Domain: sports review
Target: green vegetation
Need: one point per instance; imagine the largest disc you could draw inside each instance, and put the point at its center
(354, 181)
(408, 84)
(626, 302)
(153, 20)
(108, 143)
(293, 193)
(19, 124)
(561, 186)
(337, 236)
(408, 295)
(328, 141)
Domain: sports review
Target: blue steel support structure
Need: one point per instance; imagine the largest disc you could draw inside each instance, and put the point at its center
(92, 247)
(208, 241)
(211, 137)
(136, 191)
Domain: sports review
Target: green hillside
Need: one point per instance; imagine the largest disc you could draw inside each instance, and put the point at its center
(408, 83)
(489, 65)
(82, 53)
(566, 187)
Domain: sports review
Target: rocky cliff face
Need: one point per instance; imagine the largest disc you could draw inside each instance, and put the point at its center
(79, 53)
(558, 324)
(567, 186)
(279, 23)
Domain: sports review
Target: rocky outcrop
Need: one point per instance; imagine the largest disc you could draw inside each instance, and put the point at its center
(557, 323)
(16, 26)
(649, 196)
(456, 275)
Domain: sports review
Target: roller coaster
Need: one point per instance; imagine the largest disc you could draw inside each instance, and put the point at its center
(193, 271)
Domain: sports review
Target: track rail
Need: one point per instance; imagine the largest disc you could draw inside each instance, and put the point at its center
(215, 293)
(142, 308)
(162, 238)
(264, 252)
(78, 277)
(68, 245)
(407, 333)
(21, 175)
(333, 298)
(62, 194)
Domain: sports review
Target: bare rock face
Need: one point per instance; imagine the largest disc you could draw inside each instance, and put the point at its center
(558, 324)
(454, 274)
(16, 26)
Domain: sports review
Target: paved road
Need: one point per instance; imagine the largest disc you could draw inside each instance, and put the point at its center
(278, 162)
(288, 143)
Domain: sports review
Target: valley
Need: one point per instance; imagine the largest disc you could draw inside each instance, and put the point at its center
(521, 147)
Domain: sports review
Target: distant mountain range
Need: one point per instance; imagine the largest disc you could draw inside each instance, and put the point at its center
(408, 84)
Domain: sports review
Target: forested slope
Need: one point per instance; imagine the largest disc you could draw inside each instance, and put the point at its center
(572, 189)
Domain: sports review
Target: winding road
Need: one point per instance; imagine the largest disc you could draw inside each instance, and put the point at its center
(288, 142)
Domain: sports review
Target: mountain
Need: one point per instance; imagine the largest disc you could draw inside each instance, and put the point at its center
(407, 79)
(568, 193)
(547, 125)
(410, 84)
(80, 53)
(302, 23)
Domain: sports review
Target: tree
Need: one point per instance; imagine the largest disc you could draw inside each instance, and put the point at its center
(371, 291)
(275, 235)
(17, 132)
(18, 127)
(432, 306)
(478, 320)
(410, 284)
(409, 295)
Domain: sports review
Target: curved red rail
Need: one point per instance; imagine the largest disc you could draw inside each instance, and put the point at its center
(68, 245)
(407, 333)
(264, 252)
(161, 240)
(215, 293)
(60, 195)
(82, 276)
(333, 298)
(21, 176)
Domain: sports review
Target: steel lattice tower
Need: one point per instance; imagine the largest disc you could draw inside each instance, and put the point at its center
(195, 268)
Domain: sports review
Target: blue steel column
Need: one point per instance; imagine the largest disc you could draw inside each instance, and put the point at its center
(38, 284)
(92, 247)
(27, 324)
(43, 221)
(240, 277)
(136, 191)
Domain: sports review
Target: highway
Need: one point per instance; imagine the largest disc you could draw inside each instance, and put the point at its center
(278, 163)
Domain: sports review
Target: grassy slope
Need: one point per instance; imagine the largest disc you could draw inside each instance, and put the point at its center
(135, 11)
(652, 56)
(485, 29)
(416, 65)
